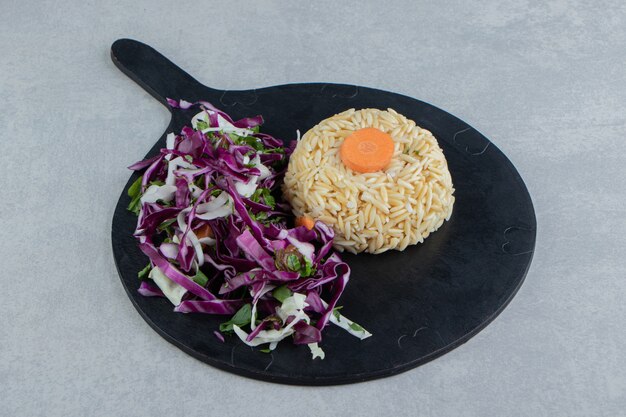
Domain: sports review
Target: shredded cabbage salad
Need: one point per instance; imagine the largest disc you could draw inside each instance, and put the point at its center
(218, 239)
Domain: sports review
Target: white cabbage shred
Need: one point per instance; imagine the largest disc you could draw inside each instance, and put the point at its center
(171, 290)
(153, 193)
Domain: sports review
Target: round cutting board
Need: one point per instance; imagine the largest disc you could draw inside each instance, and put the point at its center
(419, 303)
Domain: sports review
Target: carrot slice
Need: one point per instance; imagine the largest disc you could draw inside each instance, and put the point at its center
(204, 231)
(367, 150)
(305, 221)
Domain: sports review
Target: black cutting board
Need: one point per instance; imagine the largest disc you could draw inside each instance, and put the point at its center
(420, 303)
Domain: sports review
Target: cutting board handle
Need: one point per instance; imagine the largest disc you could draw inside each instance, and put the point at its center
(156, 74)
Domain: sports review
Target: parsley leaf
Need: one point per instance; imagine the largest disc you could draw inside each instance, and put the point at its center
(201, 125)
(259, 217)
(199, 181)
(356, 327)
(282, 293)
(135, 188)
(134, 192)
(292, 262)
(267, 196)
(241, 318)
(143, 274)
(135, 205)
(308, 269)
(200, 278)
(263, 218)
(165, 226)
(256, 195)
(254, 143)
(336, 312)
(269, 200)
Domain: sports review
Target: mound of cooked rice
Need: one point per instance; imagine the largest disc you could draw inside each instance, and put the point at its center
(372, 212)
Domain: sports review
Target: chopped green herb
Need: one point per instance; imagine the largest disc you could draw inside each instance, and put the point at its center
(157, 182)
(254, 143)
(199, 181)
(267, 196)
(262, 217)
(266, 350)
(282, 293)
(276, 150)
(134, 192)
(201, 125)
(165, 225)
(259, 217)
(200, 278)
(189, 158)
(135, 204)
(270, 201)
(293, 263)
(143, 274)
(256, 129)
(166, 203)
(256, 195)
(356, 327)
(308, 269)
(276, 219)
(135, 188)
(241, 318)
(336, 312)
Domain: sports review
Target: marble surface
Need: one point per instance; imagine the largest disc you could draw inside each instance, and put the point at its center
(545, 81)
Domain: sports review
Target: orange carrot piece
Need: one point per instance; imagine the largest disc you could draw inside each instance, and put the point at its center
(305, 221)
(367, 150)
(204, 231)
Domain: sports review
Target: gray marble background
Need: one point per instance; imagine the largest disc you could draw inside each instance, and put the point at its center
(545, 81)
